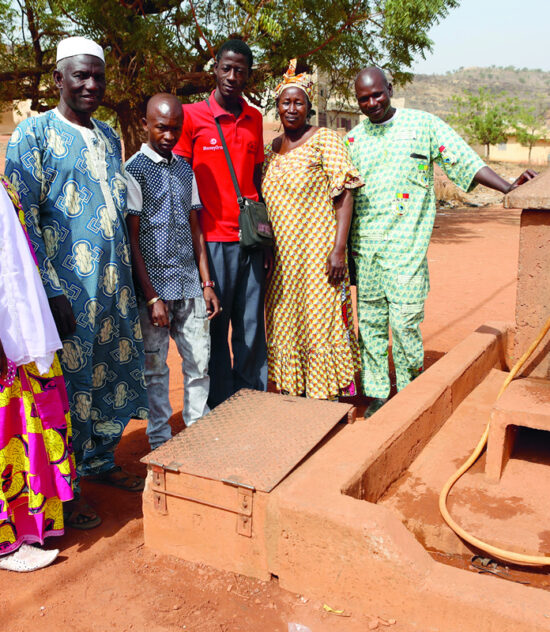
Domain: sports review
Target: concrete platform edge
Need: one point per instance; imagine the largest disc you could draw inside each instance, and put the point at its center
(349, 552)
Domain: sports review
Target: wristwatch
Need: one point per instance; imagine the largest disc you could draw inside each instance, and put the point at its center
(207, 284)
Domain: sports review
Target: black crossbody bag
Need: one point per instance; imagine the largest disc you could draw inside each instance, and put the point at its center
(254, 226)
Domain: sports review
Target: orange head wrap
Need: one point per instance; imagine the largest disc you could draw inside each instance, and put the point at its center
(292, 80)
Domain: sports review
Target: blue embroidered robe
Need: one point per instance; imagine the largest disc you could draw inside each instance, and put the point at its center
(72, 187)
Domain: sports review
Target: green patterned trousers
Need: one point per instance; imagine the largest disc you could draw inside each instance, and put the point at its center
(375, 318)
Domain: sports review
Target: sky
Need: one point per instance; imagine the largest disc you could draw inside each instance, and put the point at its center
(490, 32)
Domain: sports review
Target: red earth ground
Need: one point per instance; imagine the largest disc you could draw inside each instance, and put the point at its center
(105, 579)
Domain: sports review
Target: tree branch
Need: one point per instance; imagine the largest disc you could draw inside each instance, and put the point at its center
(69, 17)
(25, 73)
(210, 48)
(351, 21)
(148, 7)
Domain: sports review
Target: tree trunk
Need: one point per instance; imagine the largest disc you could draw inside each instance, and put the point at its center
(487, 149)
(529, 155)
(131, 129)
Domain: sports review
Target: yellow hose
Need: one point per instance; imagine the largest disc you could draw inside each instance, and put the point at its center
(493, 551)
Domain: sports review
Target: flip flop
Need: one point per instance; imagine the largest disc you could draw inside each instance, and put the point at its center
(78, 514)
(124, 480)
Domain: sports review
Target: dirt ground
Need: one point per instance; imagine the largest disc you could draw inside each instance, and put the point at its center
(105, 579)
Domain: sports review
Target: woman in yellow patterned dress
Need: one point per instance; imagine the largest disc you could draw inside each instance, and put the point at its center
(36, 462)
(308, 178)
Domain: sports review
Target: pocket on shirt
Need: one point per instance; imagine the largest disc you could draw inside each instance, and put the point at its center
(420, 174)
(402, 201)
(416, 180)
(447, 157)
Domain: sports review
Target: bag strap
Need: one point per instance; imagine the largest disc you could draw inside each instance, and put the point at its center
(227, 157)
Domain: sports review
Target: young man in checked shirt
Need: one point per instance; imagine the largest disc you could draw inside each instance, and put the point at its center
(167, 246)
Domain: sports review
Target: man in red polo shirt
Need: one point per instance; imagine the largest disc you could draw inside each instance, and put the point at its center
(239, 275)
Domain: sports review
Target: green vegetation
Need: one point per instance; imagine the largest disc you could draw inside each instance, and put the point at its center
(168, 45)
(483, 117)
(529, 125)
(487, 118)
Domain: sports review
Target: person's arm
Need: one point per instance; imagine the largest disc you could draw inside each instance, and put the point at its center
(342, 179)
(336, 260)
(158, 311)
(489, 178)
(259, 156)
(461, 163)
(184, 146)
(257, 177)
(268, 252)
(29, 188)
(63, 315)
(213, 307)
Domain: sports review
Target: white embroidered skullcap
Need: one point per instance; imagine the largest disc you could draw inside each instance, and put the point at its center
(78, 46)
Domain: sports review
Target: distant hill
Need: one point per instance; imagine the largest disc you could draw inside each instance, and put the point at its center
(433, 92)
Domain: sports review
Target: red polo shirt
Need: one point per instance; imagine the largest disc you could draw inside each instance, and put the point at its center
(200, 142)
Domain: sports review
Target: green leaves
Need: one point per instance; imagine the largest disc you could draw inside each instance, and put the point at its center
(167, 45)
(530, 124)
(489, 118)
(484, 117)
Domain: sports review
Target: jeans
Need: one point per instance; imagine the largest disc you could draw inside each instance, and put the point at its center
(190, 329)
(240, 285)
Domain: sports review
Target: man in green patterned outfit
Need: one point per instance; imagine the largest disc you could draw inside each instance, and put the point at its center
(394, 150)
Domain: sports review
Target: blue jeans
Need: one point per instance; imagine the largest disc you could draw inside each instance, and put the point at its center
(240, 285)
(189, 327)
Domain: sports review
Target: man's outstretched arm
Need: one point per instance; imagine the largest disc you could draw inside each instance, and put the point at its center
(489, 178)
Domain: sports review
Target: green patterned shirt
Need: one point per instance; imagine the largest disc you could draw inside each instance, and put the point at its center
(394, 212)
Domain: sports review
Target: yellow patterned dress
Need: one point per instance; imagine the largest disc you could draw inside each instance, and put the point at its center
(312, 347)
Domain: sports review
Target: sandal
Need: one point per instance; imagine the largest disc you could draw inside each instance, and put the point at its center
(117, 477)
(79, 515)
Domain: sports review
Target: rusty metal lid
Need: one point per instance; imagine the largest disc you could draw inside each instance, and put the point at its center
(253, 439)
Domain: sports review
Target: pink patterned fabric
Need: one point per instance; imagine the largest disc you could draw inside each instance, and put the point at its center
(36, 462)
(36, 457)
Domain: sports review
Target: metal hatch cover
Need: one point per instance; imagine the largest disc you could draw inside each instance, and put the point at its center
(253, 439)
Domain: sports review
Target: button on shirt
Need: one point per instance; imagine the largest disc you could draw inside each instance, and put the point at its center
(163, 193)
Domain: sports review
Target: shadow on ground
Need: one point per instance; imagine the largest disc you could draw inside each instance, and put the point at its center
(463, 224)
